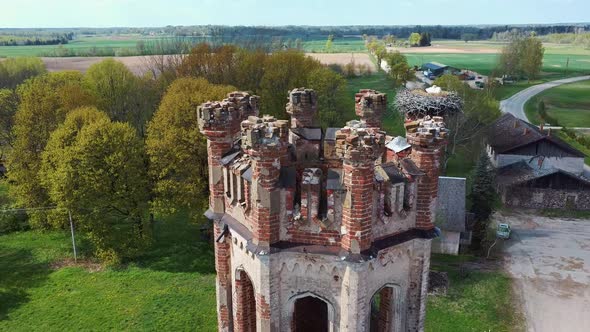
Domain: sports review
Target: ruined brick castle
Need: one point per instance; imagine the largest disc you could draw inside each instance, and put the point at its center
(320, 230)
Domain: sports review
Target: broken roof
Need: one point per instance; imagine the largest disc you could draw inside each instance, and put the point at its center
(410, 167)
(509, 133)
(398, 144)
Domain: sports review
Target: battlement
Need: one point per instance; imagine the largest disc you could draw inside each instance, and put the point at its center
(302, 107)
(357, 142)
(226, 115)
(265, 132)
(426, 131)
(370, 106)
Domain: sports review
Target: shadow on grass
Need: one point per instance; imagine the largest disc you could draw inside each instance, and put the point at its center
(18, 273)
(178, 247)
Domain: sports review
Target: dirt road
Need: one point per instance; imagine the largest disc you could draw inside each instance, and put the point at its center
(549, 259)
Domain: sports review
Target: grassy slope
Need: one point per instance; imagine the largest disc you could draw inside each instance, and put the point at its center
(577, 145)
(568, 103)
(170, 288)
(480, 301)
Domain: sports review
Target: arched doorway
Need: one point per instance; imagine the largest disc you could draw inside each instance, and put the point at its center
(383, 310)
(245, 310)
(310, 313)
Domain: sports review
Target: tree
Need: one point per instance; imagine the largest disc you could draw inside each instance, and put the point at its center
(95, 169)
(14, 71)
(399, 69)
(467, 37)
(389, 39)
(330, 88)
(531, 56)
(283, 71)
(414, 39)
(177, 151)
(523, 57)
(480, 109)
(425, 39)
(329, 43)
(44, 103)
(122, 95)
(379, 51)
(8, 107)
(482, 197)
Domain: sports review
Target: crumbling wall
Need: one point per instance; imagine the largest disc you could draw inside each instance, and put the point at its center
(538, 198)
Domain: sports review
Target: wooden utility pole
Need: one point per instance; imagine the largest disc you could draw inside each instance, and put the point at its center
(73, 237)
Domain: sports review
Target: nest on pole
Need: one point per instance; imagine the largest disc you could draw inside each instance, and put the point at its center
(417, 104)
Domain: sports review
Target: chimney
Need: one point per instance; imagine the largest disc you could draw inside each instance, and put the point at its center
(515, 123)
(526, 131)
(302, 107)
(370, 106)
(541, 126)
(549, 132)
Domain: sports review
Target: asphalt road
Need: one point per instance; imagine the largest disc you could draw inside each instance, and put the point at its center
(549, 259)
(515, 104)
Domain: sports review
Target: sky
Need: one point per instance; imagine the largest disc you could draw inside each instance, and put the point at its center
(156, 13)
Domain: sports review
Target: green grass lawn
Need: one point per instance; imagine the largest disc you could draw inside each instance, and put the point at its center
(477, 301)
(569, 104)
(576, 145)
(171, 287)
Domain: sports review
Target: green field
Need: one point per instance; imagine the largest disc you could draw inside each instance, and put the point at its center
(475, 301)
(170, 288)
(554, 65)
(569, 104)
(339, 45)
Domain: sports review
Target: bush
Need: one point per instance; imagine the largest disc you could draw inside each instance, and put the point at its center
(12, 221)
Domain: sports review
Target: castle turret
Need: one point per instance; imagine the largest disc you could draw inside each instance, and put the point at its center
(370, 106)
(264, 140)
(220, 124)
(302, 107)
(358, 147)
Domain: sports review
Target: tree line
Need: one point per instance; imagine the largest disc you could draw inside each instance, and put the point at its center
(113, 149)
(29, 40)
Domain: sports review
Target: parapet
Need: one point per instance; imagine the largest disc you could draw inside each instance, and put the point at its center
(426, 131)
(303, 107)
(226, 115)
(358, 143)
(370, 106)
(263, 133)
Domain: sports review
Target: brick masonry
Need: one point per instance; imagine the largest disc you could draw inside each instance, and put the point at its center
(305, 214)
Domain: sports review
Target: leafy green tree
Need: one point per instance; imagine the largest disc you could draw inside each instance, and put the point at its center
(330, 88)
(122, 95)
(283, 71)
(531, 56)
(8, 107)
(399, 69)
(14, 71)
(482, 198)
(425, 39)
(480, 109)
(95, 168)
(44, 103)
(177, 151)
(329, 43)
(414, 39)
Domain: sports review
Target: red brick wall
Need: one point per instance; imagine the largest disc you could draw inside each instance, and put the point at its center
(427, 159)
(245, 315)
(357, 217)
(222, 266)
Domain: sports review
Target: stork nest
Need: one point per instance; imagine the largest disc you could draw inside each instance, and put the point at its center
(419, 103)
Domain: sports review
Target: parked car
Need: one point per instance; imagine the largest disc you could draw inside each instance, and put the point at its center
(479, 84)
(503, 231)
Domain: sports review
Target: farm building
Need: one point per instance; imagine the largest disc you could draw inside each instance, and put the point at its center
(438, 69)
(536, 169)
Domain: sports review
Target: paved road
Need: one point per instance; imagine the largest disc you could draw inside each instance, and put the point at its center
(549, 258)
(515, 104)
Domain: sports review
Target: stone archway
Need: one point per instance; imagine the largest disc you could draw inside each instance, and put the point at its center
(385, 312)
(245, 303)
(310, 312)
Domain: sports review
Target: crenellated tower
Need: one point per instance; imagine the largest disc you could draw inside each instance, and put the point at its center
(320, 229)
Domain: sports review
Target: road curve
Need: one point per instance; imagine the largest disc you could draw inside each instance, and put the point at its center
(515, 104)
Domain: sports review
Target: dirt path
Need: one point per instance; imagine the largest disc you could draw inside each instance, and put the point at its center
(549, 259)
